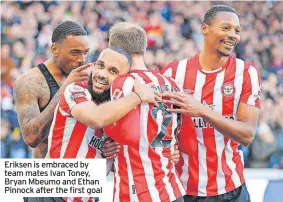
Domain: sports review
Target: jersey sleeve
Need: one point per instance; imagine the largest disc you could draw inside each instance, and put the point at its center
(126, 131)
(251, 88)
(170, 69)
(74, 93)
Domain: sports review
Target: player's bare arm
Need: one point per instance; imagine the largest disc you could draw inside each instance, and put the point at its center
(105, 114)
(31, 94)
(241, 130)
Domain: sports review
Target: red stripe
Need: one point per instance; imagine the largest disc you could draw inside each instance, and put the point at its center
(124, 189)
(159, 174)
(138, 171)
(91, 153)
(119, 83)
(209, 138)
(179, 165)
(171, 176)
(238, 161)
(227, 110)
(173, 66)
(57, 136)
(226, 169)
(75, 141)
(188, 143)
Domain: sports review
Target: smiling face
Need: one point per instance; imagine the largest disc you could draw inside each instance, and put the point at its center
(223, 33)
(109, 65)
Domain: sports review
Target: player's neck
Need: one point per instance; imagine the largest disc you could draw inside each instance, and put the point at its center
(211, 61)
(54, 69)
(138, 62)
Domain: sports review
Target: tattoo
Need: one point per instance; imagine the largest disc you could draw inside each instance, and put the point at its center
(35, 130)
(31, 94)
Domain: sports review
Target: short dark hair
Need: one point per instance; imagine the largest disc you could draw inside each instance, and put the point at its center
(123, 52)
(214, 10)
(67, 28)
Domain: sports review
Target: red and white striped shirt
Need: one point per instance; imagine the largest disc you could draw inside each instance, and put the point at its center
(69, 138)
(212, 164)
(143, 167)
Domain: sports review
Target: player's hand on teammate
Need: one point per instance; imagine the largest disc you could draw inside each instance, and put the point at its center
(187, 103)
(147, 93)
(110, 148)
(175, 155)
(76, 75)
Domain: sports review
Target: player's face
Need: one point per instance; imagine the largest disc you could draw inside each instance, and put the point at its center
(109, 65)
(223, 34)
(72, 53)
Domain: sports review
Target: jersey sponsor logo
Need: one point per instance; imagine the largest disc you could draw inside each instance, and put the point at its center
(202, 123)
(95, 142)
(77, 95)
(228, 90)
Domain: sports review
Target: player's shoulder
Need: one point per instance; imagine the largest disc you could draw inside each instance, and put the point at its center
(172, 66)
(123, 78)
(31, 79)
(247, 64)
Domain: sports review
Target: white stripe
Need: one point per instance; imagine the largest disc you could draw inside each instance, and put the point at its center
(89, 133)
(133, 197)
(181, 72)
(255, 85)
(50, 135)
(153, 78)
(143, 149)
(168, 72)
(229, 159)
(69, 127)
(128, 85)
(200, 81)
(164, 162)
(85, 199)
(185, 171)
(219, 138)
(117, 179)
(178, 181)
(238, 83)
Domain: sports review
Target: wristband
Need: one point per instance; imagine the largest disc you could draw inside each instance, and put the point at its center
(139, 96)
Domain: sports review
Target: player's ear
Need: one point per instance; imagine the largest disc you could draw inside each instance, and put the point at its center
(55, 49)
(204, 29)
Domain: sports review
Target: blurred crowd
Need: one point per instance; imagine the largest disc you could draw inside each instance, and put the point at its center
(173, 30)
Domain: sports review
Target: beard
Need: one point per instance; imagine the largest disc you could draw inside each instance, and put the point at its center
(98, 97)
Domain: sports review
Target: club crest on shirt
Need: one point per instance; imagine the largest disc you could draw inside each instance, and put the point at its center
(228, 90)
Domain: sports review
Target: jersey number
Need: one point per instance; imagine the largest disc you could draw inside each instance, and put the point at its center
(158, 140)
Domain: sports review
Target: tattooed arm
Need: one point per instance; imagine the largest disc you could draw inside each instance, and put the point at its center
(34, 125)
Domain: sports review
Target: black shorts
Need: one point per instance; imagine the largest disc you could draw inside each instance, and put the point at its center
(43, 199)
(240, 194)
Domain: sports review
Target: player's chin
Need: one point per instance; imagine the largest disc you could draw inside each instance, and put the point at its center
(100, 90)
(224, 52)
